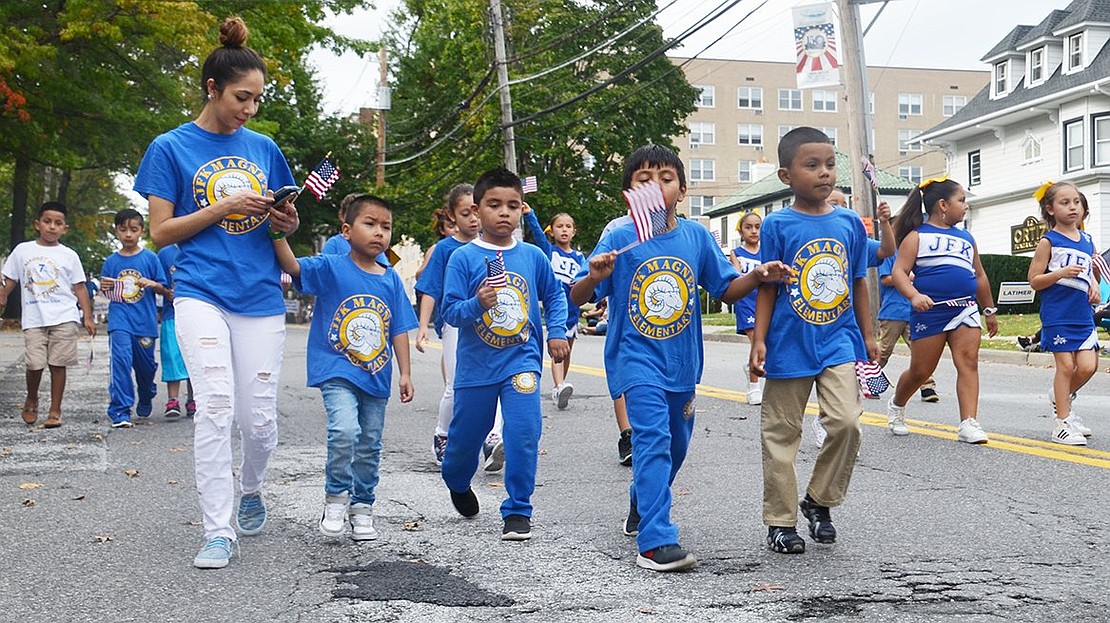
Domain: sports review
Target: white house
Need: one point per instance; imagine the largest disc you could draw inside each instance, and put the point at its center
(1044, 116)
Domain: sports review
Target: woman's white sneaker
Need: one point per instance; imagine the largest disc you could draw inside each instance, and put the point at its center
(896, 419)
(1065, 432)
(971, 432)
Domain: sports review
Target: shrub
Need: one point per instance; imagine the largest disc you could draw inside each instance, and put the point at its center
(1001, 268)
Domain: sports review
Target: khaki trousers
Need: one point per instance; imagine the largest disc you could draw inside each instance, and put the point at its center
(784, 403)
(889, 332)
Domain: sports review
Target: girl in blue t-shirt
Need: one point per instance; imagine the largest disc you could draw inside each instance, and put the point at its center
(946, 293)
(208, 184)
(554, 240)
(745, 258)
(1062, 270)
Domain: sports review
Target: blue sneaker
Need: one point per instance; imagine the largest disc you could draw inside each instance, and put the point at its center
(252, 514)
(144, 409)
(215, 554)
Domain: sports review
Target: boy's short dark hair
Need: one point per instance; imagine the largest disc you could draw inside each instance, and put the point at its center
(128, 214)
(52, 206)
(358, 203)
(792, 140)
(496, 178)
(654, 156)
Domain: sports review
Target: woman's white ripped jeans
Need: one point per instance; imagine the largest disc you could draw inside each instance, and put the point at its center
(234, 363)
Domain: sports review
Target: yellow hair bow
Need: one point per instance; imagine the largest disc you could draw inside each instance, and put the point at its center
(1040, 192)
(932, 180)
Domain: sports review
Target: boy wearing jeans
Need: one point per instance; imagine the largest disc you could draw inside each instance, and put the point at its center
(53, 285)
(360, 325)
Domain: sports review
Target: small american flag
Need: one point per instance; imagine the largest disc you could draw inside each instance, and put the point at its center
(963, 301)
(648, 210)
(322, 177)
(717, 237)
(1099, 262)
(115, 292)
(495, 272)
(529, 184)
(871, 379)
(869, 172)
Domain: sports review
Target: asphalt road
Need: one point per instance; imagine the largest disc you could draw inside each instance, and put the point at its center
(101, 524)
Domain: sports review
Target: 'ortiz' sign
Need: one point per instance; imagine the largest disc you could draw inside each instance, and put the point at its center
(1024, 237)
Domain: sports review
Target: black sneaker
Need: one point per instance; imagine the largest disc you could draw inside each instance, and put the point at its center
(785, 540)
(466, 502)
(820, 522)
(666, 558)
(516, 528)
(929, 395)
(624, 447)
(632, 523)
(1024, 342)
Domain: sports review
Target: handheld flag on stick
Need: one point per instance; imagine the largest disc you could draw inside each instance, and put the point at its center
(495, 272)
(648, 210)
(115, 292)
(871, 379)
(1099, 262)
(870, 173)
(322, 177)
(529, 184)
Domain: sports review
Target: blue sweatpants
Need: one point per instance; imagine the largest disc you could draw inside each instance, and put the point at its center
(130, 353)
(473, 420)
(662, 423)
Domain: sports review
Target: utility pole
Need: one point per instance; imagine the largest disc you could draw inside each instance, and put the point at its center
(508, 137)
(382, 107)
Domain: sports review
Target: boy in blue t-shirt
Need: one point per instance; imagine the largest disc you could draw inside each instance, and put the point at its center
(653, 351)
(360, 325)
(132, 319)
(809, 330)
(492, 292)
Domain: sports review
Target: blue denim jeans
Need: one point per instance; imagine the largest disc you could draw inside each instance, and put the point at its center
(355, 422)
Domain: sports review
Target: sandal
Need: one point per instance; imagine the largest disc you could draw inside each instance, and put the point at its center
(53, 420)
(30, 412)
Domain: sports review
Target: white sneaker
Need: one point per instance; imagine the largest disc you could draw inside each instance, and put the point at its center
(755, 396)
(1078, 424)
(971, 432)
(562, 395)
(1065, 432)
(819, 432)
(362, 523)
(493, 453)
(333, 522)
(896, 419)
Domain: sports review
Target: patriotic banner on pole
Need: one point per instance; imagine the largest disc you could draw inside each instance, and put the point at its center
(321, 179)
(872, 380)
(529, 184)
(818, 63)
(495, 272)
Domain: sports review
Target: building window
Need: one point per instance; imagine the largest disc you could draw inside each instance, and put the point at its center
(722, 238)
(1000, 71)
(974, 169)
(701, 171)
(749, 134)
(1101, 147)
(824, 101)
(952, 104)
(831, 133)
(1073, 145)
(749, 97)
(1036, 66)
(1031, 149)
(706, 95)
(1075, 52)
(907, 140)
(790, 99)
(913, 174)
(910, 103)
(744, 171)
(700, 204)
(702, 133)
(784, 129)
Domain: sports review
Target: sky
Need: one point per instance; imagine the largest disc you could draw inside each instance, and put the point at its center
(935, 34)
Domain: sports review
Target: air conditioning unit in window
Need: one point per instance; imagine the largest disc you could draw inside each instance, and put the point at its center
(694, 145)
(759, 111)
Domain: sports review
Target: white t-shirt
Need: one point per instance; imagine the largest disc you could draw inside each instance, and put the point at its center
(46, 276)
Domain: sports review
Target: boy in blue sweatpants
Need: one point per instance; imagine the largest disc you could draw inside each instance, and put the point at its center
(653, 350)
(132, 319)
(492, 292)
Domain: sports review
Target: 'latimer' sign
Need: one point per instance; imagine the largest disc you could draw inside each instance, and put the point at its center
(1024, 237)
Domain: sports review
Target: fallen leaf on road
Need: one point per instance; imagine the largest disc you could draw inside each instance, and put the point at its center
(98, 437)
(171, 482)
(178, 449)
(646, 610)
(136, 443)
(683, 491)
(543, 452)
(27, 486)
(28, 503)
(495, 485)
(131, 473)
(411, 526)
(6, 451)
(102, 538)
(768, 587)
(192, 522)
(79, 498)
(70, 446)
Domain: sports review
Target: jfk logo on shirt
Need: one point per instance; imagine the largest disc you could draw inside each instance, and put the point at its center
(659, 300)
(506, 323)
(223, 177)
(819, 294)
(360, 330)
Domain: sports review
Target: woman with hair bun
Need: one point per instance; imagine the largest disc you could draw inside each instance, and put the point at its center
(209, 184)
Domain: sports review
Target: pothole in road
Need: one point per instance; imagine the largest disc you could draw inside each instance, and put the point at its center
(412, 581)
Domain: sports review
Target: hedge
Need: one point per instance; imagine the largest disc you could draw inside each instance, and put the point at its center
(1001, 268)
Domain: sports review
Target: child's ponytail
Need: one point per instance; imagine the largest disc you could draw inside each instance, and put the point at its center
(910, 217)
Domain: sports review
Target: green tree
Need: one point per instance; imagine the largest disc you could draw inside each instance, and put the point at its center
(445, 122)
